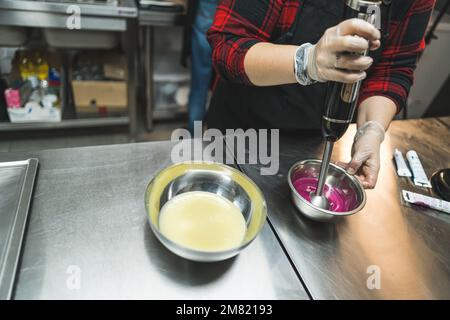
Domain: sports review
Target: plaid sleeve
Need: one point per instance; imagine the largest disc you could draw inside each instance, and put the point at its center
(240, 24)
(393, 75)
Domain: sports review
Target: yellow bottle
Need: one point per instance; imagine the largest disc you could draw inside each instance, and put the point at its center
(41, 67)
(203, 221)
(26, 67)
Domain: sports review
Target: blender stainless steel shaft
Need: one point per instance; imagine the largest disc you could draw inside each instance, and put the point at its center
(318, 199)
(341, 100)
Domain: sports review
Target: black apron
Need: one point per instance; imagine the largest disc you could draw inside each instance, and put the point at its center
(286, 107)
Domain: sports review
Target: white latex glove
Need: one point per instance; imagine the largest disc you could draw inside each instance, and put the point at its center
(330, 60)
(365, 163)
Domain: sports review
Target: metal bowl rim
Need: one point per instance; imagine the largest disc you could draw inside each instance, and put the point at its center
(352, 178)
(159, 235)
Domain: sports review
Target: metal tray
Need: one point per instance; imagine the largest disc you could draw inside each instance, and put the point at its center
(16, 188)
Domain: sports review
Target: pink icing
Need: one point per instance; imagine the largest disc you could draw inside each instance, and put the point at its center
(340, 200)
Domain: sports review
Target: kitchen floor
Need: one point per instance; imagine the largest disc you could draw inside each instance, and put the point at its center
(55, 140)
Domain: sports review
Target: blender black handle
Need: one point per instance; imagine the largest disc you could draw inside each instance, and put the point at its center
(341, 98)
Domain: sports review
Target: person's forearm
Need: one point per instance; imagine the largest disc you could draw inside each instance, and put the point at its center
(377, 108)
(268, 64)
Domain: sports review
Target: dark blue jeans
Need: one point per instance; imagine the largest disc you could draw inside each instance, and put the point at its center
(201, 67)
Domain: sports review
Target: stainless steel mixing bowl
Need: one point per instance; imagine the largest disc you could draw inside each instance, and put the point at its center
(210, 177)
(337, 177)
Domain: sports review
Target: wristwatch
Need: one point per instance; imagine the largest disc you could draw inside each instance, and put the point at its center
(300, 64)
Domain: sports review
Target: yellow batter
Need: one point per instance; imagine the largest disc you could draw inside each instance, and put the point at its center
(202, 221)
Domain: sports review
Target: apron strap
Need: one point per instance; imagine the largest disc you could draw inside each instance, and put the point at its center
(387, 6)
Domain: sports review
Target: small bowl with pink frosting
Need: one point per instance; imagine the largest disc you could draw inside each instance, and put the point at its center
(344, 192)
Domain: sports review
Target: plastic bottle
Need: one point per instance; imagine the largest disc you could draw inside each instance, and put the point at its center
(26, 67)
(41, 67)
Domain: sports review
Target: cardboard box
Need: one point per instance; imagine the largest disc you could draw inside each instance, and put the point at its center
(103, 97)
(91, 95)
(114, 67)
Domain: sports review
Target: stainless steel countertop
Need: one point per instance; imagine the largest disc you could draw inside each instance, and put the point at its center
(88, 219)
(410, 245)
(16, 189)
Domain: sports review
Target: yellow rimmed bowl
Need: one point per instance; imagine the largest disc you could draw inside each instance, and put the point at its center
(210, 177)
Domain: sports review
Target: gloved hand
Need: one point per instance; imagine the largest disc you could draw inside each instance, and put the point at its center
(330, 58)
(365, 161)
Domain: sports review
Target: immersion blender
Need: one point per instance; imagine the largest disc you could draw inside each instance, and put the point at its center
(341, 100)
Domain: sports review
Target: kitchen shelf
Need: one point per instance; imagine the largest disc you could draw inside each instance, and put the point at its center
(158, 18)
(65, 124)
(109, 15)
(171, 77)
(166, 70)
(170, 112)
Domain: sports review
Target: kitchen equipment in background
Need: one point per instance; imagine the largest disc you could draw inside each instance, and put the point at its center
(170, 79)
(161, 5)
(98, 2)
(419, 176)
(441, 183)
(182, 95)
(36, 93)
(81, 39)
(118, 17)
(99, 83)
(214, 178)
(340, 103)
(345, 192)
(425, 201)
(12, 36)
(171, 96)
(16, 188)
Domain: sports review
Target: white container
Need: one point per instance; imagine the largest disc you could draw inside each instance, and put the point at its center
(80, 39)
(33, 112)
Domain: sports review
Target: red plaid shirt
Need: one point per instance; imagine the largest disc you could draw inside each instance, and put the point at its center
(238, 26)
